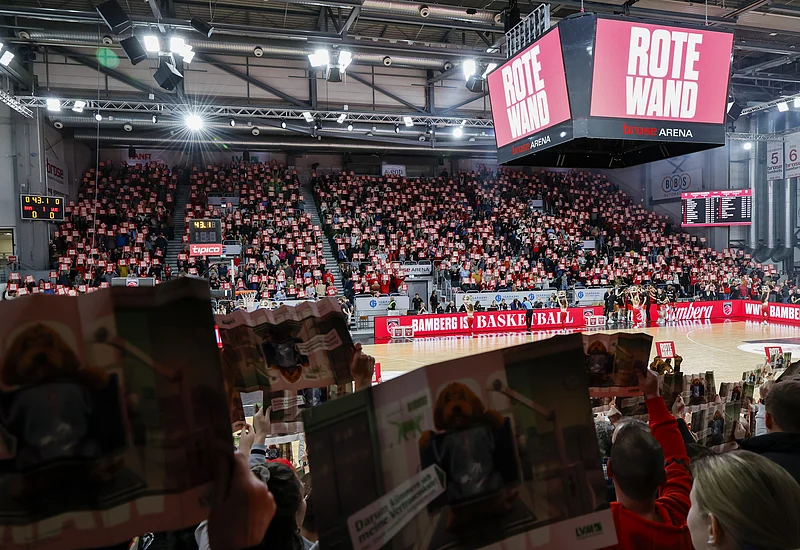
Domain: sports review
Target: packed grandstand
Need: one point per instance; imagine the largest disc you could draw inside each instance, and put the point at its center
(509, 231)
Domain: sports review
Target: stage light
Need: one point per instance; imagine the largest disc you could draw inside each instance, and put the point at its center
(345, 58)
(194, 122)
(796, 102)
(408, 121)
(317, 125)
(341, 118)
(421, 137)
(202, 27)
(152, 44)
(98, 117)
(469, 67)
(232, 123)
(308, 116)
(58, 124)
(6, 58)
(350, 127)
(319, 58)
(458, 132)
(396, 128)
(428, 129)
(53, 105)
(78, 106)
(188, 54)
(177, 44)
(155, 119)
(255, 131)
(127, 127)
(283, 124)
(489, 68)
(472, 138)
(563, 134)
(783, 107)
(747, 146)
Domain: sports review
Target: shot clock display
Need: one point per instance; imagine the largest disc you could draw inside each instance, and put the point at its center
(42, 208)
(205, 232)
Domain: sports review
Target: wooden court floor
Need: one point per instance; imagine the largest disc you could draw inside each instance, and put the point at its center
(727, 348)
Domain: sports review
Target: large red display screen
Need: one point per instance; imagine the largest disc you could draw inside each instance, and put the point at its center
(657, 72)
(529, 92)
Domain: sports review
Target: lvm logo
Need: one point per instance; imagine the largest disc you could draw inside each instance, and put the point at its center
(587, 531)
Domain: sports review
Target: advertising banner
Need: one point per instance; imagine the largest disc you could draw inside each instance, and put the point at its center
(582, 296)
(529, 92)
(659, 72)
(792, 156)
(57, 176)
(485, 322)
(369, 305)
(393, 169)
(205, 249)
(415, 270)
(670, 186)
(775, 165)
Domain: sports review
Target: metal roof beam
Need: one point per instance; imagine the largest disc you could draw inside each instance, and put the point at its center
(385, 92)
(251, 80)
(354, 13)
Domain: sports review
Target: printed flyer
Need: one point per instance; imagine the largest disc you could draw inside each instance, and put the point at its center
(492, 448)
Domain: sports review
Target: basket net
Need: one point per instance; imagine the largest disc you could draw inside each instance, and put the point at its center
(246, 298)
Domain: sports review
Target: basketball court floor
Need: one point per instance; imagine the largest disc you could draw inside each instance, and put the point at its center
(728, 348)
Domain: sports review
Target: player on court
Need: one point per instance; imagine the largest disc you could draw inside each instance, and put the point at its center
(765, 291)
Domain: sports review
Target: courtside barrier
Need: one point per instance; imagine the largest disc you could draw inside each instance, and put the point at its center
(457, 324)
(485, 322)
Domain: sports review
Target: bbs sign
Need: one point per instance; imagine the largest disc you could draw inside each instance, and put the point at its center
(670, 186)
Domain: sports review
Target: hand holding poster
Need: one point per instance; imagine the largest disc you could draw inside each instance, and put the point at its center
(440, 455)
(112, 414)
(282, 351)
(613, 360)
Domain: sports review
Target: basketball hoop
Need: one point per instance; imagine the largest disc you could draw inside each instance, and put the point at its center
(246, 298)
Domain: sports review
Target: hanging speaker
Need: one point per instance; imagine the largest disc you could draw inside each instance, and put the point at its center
(116, 19)
(167, 76)
(133, 49)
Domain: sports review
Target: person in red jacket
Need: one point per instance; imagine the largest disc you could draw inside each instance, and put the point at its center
(650, 470)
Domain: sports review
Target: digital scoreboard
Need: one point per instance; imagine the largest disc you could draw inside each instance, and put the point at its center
(717, 208)
(205, 232)
(41, 208)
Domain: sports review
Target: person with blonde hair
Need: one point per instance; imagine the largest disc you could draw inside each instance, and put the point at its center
(743, 501)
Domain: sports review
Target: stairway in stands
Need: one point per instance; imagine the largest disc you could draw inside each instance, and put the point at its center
(175, 246)
(330, 259)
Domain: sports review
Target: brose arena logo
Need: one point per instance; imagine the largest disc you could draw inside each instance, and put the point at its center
(727, 308)
(657, 132)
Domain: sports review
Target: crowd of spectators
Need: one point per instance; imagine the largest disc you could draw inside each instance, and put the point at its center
(516, 231)
(118, 227)
(282, 250)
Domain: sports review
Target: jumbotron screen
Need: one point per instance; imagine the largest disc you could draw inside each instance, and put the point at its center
(717, 208)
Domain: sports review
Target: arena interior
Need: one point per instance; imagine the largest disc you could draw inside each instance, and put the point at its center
(461, 176)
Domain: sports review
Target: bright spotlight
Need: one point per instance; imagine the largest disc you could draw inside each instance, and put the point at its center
(563, 134)
(53, 105)
(350, 127)
(408, 121)
(319, 58)
(469, 67)
(345, 58)
(747, 146)
(98, 117)
(152, 44)
(177, 44)
(396, 128)
(341, 118)
(6, 58)
(188, 54)
(783, 107)
(796, 102)
(194, 123)
(232, 123)
(283, 124)
(78, 106)
(155, 119)
(458, 132)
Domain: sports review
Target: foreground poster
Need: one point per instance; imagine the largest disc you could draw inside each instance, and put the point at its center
(281, 352)
(613, 361)
(492, 448)
(112, 406)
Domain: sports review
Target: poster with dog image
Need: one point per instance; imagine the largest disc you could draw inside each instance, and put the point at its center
(284, 350)
(613, 360)
(490, 450)
(111, 408)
